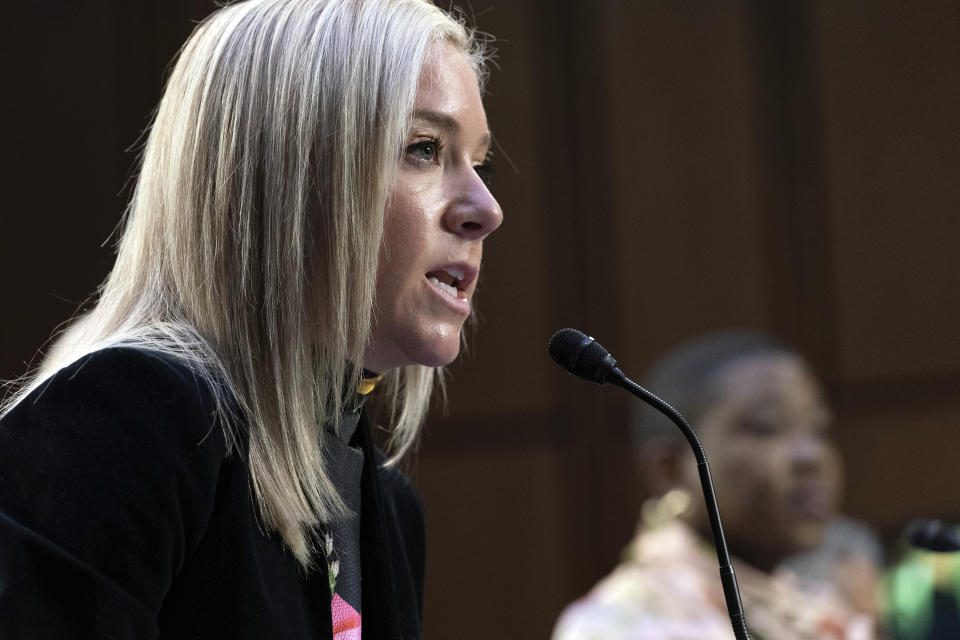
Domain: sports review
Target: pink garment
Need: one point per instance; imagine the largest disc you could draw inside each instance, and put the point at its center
(668, 588)
(346, 621)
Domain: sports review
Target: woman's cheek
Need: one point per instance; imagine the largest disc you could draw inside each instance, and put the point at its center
(757, 468)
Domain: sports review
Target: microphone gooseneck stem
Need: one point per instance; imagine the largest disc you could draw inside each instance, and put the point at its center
(728, 578)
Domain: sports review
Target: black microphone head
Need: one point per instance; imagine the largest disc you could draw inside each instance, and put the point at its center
(581, 355)
(932, 535)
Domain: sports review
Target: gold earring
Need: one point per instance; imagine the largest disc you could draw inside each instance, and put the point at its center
(659, 510)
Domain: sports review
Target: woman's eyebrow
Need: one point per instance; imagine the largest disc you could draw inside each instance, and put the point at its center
(445, 121)
(438, 119)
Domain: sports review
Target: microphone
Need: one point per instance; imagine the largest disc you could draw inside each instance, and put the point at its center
(585, 358)
(582, 356)
(932, 535)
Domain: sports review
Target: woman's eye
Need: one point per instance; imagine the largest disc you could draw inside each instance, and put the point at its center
(485, 171)
(427, 151)
(761, 428)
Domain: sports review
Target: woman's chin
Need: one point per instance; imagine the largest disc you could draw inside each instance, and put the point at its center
(440, 354)
(427, 350)
(808, 535)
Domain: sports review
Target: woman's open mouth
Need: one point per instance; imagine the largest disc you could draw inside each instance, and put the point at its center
(449, 281)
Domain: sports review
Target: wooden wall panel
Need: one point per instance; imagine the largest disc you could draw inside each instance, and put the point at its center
(62, 175)
(891, 104)
(793, 199)
(685, 217)
(492, 538)
(890, 99)
(902, 465)
(85, 82)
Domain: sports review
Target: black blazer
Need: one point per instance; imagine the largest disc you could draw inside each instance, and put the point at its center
(121, 516)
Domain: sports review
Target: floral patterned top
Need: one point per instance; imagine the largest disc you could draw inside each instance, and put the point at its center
(668, 588)
(341, 539)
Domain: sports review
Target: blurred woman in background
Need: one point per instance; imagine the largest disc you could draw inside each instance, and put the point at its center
(192, 459)
(765, 426)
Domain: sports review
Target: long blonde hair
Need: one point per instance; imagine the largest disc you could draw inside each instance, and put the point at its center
(251, 242)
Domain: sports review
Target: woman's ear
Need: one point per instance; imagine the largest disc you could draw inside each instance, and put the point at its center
(660, 465)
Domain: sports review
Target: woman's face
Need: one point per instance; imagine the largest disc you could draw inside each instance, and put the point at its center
(439, 212)
(776, 471)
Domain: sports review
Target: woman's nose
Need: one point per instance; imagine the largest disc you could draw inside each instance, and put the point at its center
(809, 453)
(473, 213)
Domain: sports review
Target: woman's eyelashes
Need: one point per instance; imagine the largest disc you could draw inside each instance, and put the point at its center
(428, 151)
(485, 170)
(425, 151)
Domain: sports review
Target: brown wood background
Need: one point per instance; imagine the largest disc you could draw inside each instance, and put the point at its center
(679, 166)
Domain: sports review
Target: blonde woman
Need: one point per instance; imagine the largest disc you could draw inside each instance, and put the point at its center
(192, 458)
